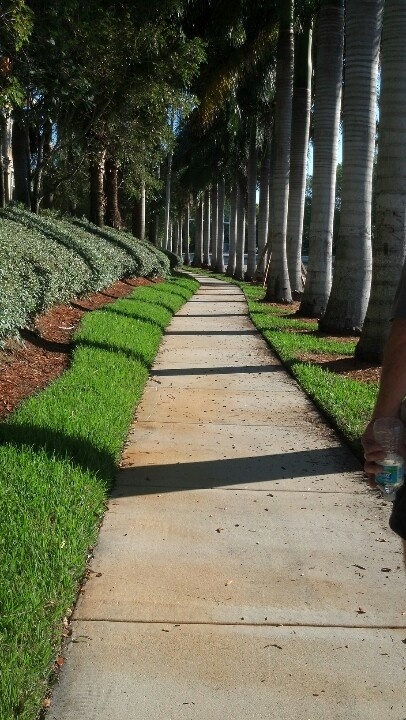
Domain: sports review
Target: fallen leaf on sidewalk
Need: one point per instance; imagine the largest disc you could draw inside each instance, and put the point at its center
(219, 530)
(360, 611)
(360, 567)
(273, 645)
(386, 569)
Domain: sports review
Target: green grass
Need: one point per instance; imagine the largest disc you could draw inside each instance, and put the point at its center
(58, 458)
(346, 402)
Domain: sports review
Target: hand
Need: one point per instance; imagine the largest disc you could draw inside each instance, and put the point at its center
(373, 454)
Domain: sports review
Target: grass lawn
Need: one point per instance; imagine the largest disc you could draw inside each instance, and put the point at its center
(58, 457)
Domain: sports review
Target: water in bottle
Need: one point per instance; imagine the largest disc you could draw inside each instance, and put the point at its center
(388, 432)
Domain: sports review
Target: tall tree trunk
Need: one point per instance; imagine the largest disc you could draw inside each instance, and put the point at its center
(389, 241)
(353, 260)
(48, 191)
(206, 229)
(329, 64)
(214, 224)
(21, 163)
(186, 240)
(138, 215)
(2, 185)
(220, 225)
(112, 214)
(7, 157)
(263, 211)
(232, 241)
(240, 240)
(298, 156)
(278, 288)
(168, 202)
(97, 199)
(198, 253)
(37, 174)
(252, 203)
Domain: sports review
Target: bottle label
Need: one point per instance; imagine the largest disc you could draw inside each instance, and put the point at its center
(390, 475)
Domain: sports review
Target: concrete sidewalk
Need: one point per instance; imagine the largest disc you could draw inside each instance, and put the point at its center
(242, 570)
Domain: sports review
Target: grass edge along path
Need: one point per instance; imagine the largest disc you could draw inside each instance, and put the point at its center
(347, 403)
(58, 458)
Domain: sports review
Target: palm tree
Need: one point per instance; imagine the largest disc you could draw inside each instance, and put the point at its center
(389, 241)
(240, 235)
(252, 201)
(198, 253)
(327, 103)
(301, 104)
(186, 225)
(214, 225)
(230, 270)
(206, 229)
(220, 225)
(353, 260)
(278, 287)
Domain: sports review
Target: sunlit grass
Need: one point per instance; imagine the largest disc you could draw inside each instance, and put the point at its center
(58, 459)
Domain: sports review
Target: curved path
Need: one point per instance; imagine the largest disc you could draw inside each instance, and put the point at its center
(242, 570)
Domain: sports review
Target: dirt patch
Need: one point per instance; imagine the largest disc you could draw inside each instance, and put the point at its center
(44, 351)
(343, 365)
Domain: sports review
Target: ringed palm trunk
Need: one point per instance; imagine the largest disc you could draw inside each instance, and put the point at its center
(298, 156)
(252, 203)
(186, 234)
(389, 239)
(263, 211)
(353, 261)
(138, 216)
(220, 225)
(232, 244)
(198, 253)
(329, 64)
(167, 226)
(214, 226)
(278, 286)
(206, 229)
(240, 237)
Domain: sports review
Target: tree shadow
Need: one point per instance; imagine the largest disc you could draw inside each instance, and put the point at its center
(314, 466)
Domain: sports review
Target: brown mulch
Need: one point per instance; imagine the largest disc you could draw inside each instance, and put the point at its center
(43, 353)
(350, 367)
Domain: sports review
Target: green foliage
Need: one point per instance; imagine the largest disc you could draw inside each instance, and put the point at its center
(58, 457)
(48, 260)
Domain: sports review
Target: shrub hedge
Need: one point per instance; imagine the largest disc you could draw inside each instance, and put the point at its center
(46, 260)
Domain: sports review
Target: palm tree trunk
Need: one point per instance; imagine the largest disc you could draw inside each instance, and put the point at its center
(252, 203)
(220, 225)
(389, 241)
(329, 64)
(214, 223)
(353, 261)
(278, 288)
(240, 239)
(138, 215)
(232, 243)
(263, 211)
(198, 253)
(206, 229)
(298, 156)
(168, 202)
(186, 234)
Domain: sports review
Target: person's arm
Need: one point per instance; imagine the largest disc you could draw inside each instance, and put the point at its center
(392, 390)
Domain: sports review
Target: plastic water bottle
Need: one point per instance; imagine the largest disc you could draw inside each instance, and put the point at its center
(388, 432)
